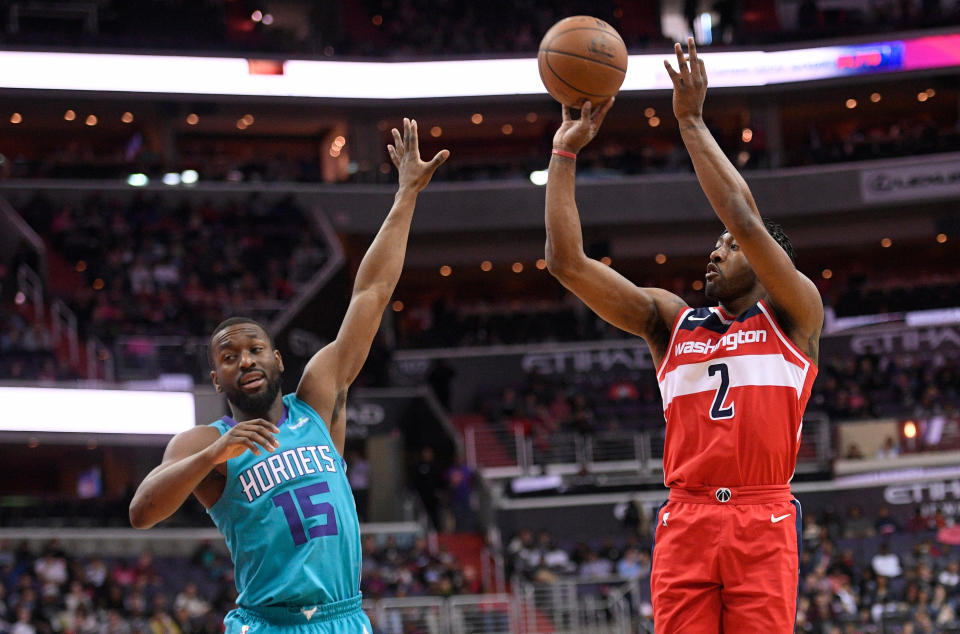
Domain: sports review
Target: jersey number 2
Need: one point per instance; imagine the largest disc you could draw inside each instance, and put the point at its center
(310, 509)
(717, 410)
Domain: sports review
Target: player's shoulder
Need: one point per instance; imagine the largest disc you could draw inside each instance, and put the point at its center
(291, 401)
(192, 440)
(298, 407)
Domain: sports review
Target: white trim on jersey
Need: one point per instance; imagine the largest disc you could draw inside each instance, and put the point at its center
(744, 370)
(716, 310)
(673, 335)
(783, 337)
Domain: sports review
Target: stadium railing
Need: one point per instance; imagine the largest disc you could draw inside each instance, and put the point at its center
(600, 605)
(501, 450)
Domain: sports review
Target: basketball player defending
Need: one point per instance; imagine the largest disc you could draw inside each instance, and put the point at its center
(735, 380)
(272, 475)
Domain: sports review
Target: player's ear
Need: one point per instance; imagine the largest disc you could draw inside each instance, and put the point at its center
(279, 359)
(216, 383)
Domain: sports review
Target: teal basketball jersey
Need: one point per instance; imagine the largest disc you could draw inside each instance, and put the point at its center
(289, 517)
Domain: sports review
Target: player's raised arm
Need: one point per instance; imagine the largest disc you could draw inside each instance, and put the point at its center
(331, 371)
(793, 295)
(647, 312)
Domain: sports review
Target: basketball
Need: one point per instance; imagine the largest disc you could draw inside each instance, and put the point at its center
(582, 58)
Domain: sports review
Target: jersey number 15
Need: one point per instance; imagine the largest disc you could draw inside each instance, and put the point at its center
(310, 509)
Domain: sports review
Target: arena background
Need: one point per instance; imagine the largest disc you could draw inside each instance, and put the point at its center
(165, 164)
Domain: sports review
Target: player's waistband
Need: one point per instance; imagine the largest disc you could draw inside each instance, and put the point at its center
(761, 494)
(290, 615)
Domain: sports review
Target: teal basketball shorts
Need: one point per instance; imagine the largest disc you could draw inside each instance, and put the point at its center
(342, 617)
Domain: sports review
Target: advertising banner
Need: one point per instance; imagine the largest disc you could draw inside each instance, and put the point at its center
(936, 179)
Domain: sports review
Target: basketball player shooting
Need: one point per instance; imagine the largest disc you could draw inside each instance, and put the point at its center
(735, 380)
(271, 475)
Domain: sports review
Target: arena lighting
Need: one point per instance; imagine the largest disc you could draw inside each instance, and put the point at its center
(704, 28)
(96, 411)
(137, 180)
(463, 78)
(189, 177)
(538, 177)
(171, 178)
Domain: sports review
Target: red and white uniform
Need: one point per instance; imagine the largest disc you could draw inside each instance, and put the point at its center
(727, 543)
(734, 390)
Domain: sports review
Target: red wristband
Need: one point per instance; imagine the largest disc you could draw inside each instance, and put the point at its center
(564, 154)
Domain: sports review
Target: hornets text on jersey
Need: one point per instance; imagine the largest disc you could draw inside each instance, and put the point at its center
(289, 517)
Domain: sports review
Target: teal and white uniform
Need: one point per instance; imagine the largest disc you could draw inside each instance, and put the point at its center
(291, 525)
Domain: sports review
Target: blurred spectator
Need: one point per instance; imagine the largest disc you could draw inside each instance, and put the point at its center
(150, 266)
(459, 486)
(190, 602)
(889, 449)
(392, 570)
(854, 452)
(428, 482)
(358, 473)
(634, 564)
(596, 566)
(857, 526)
(885, 524)
(886, 563)
(440, 377)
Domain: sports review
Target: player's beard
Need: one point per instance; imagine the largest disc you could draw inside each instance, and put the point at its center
(726, 289)
(256, 404)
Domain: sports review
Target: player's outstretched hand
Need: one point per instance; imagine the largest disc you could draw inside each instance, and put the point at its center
(255, 435)
(573, 134)
(689, 82)
(405, 154)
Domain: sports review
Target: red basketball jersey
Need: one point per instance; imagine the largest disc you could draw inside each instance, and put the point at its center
(734, 391)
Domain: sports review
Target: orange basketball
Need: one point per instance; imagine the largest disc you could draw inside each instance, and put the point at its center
(582, 58)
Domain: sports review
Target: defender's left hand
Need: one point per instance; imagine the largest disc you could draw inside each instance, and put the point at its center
(689, 83)
(405, 154)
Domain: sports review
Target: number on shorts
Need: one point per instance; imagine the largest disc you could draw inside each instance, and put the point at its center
(717, 410)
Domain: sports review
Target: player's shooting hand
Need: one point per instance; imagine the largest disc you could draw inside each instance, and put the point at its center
(689, 82)
(256, 435)
(405, 154)
(573, 134)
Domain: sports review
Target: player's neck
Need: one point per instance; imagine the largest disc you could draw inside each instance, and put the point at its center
(274, 414)
(739, 304)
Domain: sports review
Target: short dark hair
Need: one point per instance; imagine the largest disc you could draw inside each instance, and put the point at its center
(233, 321)
(776, 232)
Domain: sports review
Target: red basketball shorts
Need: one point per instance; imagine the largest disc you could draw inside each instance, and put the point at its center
(726, 560)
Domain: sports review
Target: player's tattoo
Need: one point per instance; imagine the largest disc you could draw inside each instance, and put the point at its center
(339, 403)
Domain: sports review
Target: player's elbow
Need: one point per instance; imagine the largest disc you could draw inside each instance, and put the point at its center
(557, 266)
(139, 518)
(561, 263)
(377, 293)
